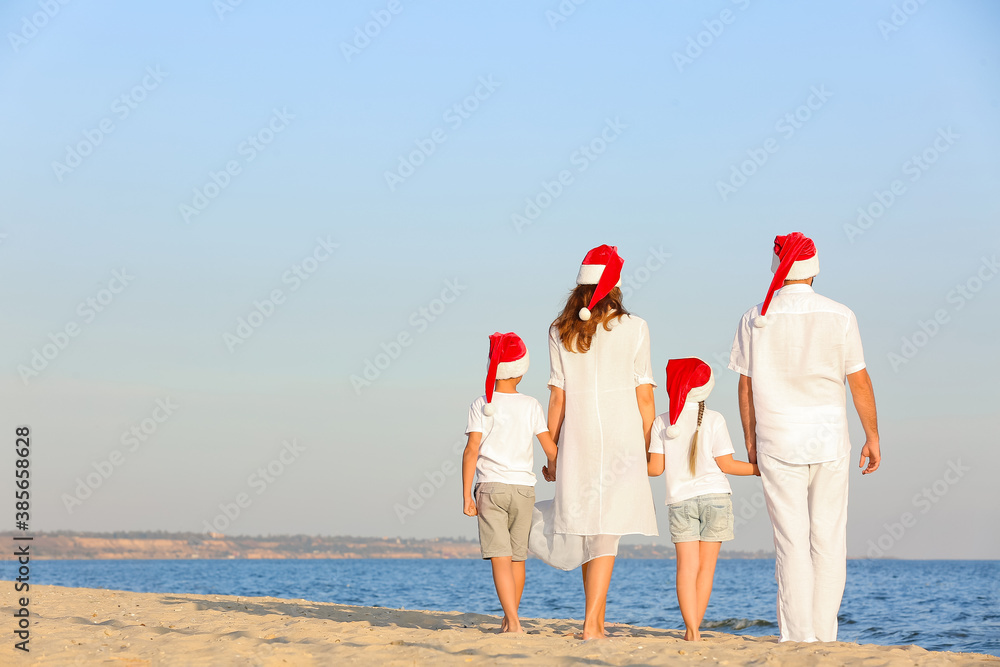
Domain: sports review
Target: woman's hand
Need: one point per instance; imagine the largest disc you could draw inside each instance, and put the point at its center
(549, 471)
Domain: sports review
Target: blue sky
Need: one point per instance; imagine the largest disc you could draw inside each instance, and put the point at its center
(205, 90)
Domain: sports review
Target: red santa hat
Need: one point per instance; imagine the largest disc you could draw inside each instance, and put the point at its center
(602, 267)
(688, 379)
(508, 359)
(795, 258)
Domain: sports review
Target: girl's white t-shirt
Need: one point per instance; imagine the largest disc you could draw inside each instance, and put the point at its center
(712, 441)
(506, 449)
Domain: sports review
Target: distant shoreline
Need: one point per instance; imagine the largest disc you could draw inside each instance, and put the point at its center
(138, 545)
(160, 545)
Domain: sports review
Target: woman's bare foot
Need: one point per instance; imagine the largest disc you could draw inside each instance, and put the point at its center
(692, 635)
(593, 633)
(509, 626)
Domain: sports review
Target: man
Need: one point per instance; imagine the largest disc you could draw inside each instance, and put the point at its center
(794, 353)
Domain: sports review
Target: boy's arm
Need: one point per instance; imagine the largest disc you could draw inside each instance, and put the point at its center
(647, 408)
(655, 463)
(864, 402)
(747, 417)
(469, 459)
(731, 466)
(551, 452)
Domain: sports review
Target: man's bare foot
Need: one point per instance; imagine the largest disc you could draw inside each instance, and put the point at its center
(593, 633)
(692, 635)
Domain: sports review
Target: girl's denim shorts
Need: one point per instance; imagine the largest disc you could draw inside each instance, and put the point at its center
(707, 518)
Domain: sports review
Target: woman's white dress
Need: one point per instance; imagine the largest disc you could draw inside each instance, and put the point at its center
(602, 490)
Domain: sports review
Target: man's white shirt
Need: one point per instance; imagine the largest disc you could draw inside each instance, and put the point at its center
(799, 364)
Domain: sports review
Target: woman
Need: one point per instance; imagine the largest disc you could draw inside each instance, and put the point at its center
(600, 412)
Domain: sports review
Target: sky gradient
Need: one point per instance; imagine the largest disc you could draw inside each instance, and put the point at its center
(237, 211)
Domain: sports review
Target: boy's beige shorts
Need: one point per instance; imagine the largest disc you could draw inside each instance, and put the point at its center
(504, 519)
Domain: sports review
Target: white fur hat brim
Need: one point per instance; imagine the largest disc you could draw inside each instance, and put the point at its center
(590, 274)
(800, 270)
(513, 369)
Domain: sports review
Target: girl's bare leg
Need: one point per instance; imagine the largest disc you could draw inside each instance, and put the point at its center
(687, 591)
(708, 554)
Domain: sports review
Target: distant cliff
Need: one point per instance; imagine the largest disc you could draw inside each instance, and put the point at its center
(163, 545)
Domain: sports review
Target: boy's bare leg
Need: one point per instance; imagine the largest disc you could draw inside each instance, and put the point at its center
(518, 569)
(597, 580)
(708, 554)
(503, 579)
(686, 584)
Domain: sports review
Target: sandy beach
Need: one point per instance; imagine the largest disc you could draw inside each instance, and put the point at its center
(91, 626)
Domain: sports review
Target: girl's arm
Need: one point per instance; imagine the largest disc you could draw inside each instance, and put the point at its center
(469, 459)
(647, 408)
(654, 464)
(730, 466)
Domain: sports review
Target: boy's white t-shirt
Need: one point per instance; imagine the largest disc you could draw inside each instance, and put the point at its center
(506, 449)
(712, 441)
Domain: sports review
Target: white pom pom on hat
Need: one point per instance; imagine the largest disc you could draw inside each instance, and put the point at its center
(673, 431)
(585, 313)
(760, 321)
(489, 410)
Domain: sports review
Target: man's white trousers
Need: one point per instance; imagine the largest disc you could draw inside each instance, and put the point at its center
(808, 509)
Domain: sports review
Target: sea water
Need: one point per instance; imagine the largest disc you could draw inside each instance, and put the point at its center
(939, 605)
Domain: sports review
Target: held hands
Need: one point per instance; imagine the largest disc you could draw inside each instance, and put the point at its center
(549, 471)
(874, 456)
(470, 507)
(756, 470)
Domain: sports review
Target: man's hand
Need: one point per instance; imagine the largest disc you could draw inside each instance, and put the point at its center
(549, 471)
(470, 507)
(874, 456)
(756, 470)
(752, 452)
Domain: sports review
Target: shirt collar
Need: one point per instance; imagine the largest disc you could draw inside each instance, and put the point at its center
(797, 288)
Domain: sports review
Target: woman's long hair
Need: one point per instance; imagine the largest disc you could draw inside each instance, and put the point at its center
(576, 334)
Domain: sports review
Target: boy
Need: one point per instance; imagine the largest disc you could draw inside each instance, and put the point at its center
(499, 452)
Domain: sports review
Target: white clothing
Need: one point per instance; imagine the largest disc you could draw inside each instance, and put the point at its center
(505, 451)
(563, 551)
(808, 509)
(601, 483)
(713, 440)
(799, 363)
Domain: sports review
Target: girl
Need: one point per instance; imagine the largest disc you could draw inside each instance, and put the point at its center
(600, 412)
(693, 445)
